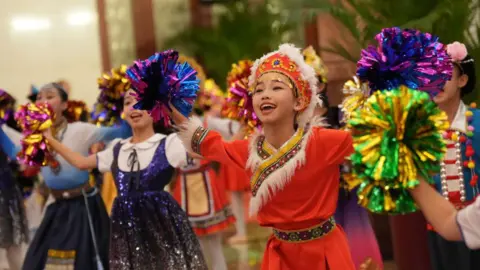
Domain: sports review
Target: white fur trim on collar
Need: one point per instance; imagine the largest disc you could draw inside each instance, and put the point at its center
(281, 177)
(307, 72)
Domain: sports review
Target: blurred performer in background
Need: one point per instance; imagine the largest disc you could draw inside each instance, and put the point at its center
(198, 188)
(107, 112)
(65, 237)
(237, 181)
(13, 222)
(354, 219)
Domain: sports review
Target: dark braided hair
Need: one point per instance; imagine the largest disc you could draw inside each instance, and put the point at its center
(467, 67)
(333, 113)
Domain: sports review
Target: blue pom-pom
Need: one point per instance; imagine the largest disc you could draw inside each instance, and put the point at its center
(161, 80)
(405, 57)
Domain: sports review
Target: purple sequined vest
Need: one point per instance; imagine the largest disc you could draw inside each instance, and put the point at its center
(153, 178)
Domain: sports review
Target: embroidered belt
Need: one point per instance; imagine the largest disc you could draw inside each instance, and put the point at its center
(306, 234)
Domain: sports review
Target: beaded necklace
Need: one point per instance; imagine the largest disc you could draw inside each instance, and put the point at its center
(458, 138)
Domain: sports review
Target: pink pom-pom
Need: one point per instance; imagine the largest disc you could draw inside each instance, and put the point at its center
(457, 51)
(470, 128)
(34, 119)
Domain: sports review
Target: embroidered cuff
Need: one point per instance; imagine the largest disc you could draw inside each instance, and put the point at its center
(192, 133)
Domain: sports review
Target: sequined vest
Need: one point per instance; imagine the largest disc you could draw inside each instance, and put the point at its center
(153, 178)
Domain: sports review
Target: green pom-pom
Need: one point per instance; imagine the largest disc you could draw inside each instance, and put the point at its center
(398, 140)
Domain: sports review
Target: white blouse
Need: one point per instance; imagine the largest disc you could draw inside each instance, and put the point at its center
(469, 221)
(174, 151)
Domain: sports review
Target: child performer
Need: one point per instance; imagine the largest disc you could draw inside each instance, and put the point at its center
(396, 127)
(293, 164)
(13, 222)
(107, 112)
(349, 215)
(65, 237)
(201, 192)
(457, 181)
(237, 180)
(149, 229)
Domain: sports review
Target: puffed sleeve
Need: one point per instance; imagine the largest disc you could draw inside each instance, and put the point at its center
(210, 145)
(105, 157)
(175, 151)
(468, 220)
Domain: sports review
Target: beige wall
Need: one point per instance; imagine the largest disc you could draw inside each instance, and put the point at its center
(42, 41)
(121, 41)
(170, 16)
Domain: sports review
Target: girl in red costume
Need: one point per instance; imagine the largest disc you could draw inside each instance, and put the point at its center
(293, 164)
(201, 191)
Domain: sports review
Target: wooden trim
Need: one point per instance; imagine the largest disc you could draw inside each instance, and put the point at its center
(311, 30)
(143, 28)
(200, 14)
(103, 34)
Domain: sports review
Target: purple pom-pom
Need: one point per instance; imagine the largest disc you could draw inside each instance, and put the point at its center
(160, 80)
(405, 57)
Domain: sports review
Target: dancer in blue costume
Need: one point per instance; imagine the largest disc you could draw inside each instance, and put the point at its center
(149, 229)
(457, 181)
(65, 237)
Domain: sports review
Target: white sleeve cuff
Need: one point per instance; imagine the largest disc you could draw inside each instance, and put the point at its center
(175, 151)
(105, 158)
(468, 220)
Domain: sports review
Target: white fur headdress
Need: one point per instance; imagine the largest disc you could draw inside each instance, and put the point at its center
(289, 61)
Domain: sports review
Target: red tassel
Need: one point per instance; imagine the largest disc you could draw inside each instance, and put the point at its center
(474, 180)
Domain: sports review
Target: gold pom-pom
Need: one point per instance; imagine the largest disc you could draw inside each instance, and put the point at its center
(239, 73)
(113, 85)
(239, 105)
(356, 93)
(312, 59)
(76, 111)
(210, 97)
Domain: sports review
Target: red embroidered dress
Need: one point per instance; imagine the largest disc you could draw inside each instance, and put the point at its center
(294, 191)
(201, 193)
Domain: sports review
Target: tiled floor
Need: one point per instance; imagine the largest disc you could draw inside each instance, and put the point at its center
(239, 257)
(247, 256)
